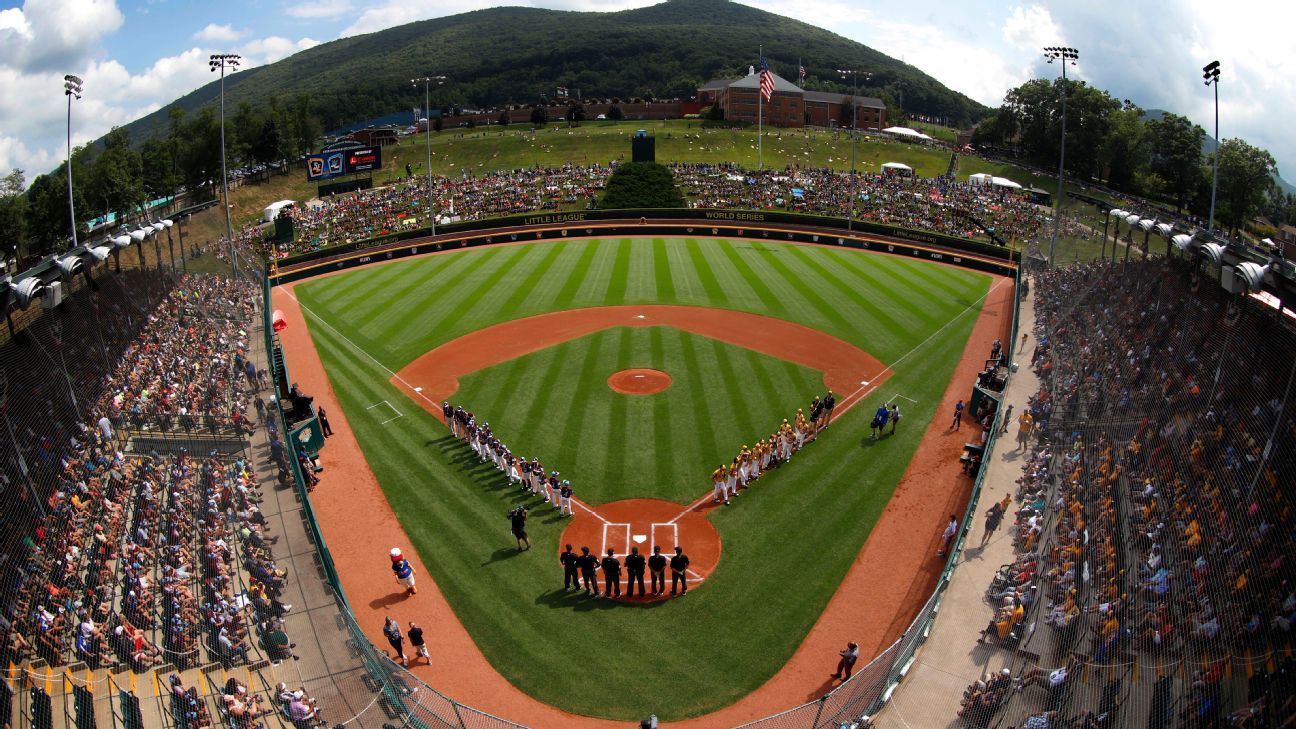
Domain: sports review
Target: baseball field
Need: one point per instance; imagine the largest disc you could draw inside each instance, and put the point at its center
(784, 545)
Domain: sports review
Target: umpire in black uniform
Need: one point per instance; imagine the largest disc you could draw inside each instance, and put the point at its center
(679, 571)
(657, 567)
(569, 562)
(611, 575)
(588, 563)
(634, 564)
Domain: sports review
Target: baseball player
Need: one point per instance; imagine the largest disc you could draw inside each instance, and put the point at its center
(565, 493)
(718, 484)
(448, 412)
(403, 571)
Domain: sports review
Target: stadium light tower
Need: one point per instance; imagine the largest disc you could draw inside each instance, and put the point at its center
(1065, 55)
(71, 88)
(427, 82)
(1211, 73)
(222, 61)
(854, 76)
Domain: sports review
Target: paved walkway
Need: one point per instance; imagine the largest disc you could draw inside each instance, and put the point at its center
(930, 694)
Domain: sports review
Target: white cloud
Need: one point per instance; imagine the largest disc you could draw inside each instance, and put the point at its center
(213, 33)
(49, 34)
(328, 9)
(1031, 28)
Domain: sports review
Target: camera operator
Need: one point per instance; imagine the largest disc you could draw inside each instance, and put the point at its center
(518, 519)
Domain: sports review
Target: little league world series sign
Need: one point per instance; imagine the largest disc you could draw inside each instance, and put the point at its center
(335, 162)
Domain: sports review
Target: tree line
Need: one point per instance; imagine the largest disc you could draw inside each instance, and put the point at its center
(1158, 157)
(118, 177)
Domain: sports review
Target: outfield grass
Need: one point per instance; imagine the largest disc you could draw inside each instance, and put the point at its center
(799, 528)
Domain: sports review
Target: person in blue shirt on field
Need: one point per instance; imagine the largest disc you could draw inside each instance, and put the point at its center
(880, 420)
(403, 570)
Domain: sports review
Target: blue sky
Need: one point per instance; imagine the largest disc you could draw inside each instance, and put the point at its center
(137, 55)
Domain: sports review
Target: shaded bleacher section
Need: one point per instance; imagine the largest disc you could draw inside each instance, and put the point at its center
(139, 541)
(1153, 525)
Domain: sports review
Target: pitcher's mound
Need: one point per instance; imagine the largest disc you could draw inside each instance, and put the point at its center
(639, 381)
(643, 524)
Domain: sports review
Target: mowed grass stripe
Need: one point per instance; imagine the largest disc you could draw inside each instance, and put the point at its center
(797, 279)
(701, 412)
(641, 284)
(756, 283)
(664, 465)
(736, 287)
(401, 289)
(538, 415)
(522, 290)
(714, 292)
(576, 274)
(735, 376)
(579, 417)
(427, 308)
(662, 272)
(958, 284)
(372, 305)
(593, 290)
(865, 301)
(473, 297)
(617, 448)
(616, 290)
(900, 293)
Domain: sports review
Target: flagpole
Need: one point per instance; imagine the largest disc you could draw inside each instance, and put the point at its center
(760, 118)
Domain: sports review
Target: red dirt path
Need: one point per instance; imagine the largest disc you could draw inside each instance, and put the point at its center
(888, 582)
(639, 381)
(658, 523)
(438, 371)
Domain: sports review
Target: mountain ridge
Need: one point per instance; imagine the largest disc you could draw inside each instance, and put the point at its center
(668, 49)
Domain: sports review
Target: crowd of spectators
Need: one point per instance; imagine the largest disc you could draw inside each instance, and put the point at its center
(1157, 527)
(186, 368)
(937, 204)
(117, 559)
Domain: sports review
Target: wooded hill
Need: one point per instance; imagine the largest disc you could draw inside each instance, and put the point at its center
(512, 55)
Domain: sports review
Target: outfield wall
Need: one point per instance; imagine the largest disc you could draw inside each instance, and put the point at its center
(396, 690)
(697, 223)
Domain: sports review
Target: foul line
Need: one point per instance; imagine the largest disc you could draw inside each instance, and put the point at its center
(416, 390)
(868, 389)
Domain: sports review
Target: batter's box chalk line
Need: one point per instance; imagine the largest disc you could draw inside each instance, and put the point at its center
(896, 396)
(616, 528)
(399, 414)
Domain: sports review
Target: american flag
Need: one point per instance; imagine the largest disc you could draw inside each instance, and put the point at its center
(802, 73)
(766, 80)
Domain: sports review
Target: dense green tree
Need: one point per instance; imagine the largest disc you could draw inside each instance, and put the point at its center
(1176, 155)
(13, 214)
(116, 183)
(575, 113)
(504, 119)
(642, 185)
(539, 116)
(614, 113)
(1245, 177)
(1126, 150)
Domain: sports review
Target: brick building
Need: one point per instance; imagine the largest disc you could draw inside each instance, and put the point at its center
(790, 105)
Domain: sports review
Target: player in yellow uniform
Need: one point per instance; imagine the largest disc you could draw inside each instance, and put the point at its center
(718, 484)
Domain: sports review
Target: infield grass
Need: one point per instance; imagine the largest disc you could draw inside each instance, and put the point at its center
(787, 543)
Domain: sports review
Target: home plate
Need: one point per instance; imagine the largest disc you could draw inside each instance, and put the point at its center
(640, 538)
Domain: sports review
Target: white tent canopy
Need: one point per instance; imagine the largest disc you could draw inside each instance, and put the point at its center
(1004, 182)
(906, 133)
(980, 178)
(272, 210)
(896, 166)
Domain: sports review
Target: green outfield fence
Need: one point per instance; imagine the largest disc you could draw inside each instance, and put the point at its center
(388, 694)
